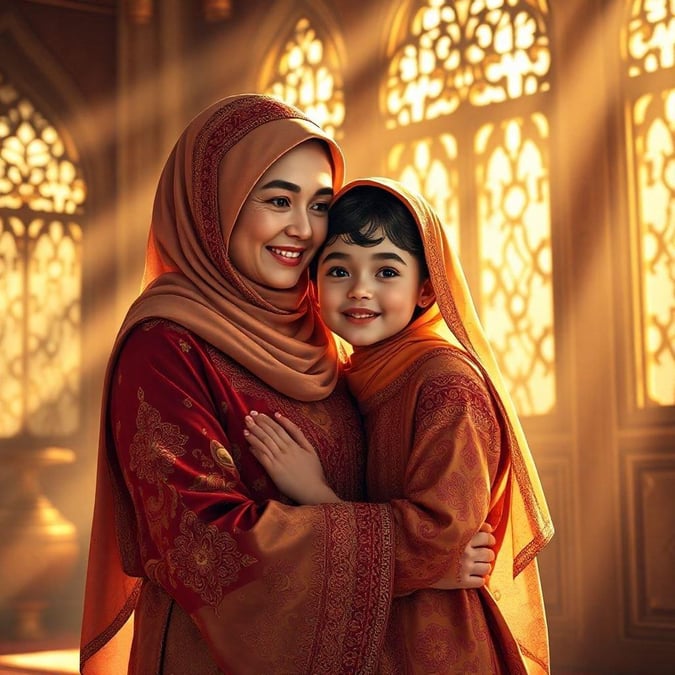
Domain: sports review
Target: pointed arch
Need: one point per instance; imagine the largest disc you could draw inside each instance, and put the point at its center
(304, 65)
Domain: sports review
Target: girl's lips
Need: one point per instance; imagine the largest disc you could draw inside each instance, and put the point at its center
(291, 257)
(360, 316)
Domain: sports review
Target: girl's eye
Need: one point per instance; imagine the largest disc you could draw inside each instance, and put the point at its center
(322, 207)
(388, 273)
(337, 272)
(280, 202)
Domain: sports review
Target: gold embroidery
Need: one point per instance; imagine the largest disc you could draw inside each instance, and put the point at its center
(206, 560)
(156, 445)
(221, 455)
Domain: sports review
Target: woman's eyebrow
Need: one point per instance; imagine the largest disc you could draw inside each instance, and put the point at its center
(292, 187)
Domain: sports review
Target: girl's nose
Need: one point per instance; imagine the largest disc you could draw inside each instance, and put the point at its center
(359, 291)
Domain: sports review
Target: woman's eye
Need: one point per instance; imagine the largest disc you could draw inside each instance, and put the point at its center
(280, 202)
(337, 272)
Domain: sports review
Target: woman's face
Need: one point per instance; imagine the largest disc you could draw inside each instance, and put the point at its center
(284, 219)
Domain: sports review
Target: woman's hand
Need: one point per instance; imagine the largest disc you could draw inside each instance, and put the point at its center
(292, 463)
(476, 562)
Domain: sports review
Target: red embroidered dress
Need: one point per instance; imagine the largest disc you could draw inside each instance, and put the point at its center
(187, 538)
(273, 589)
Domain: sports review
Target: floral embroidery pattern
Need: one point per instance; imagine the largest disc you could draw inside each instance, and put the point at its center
(155, 445)
(453, 490)
(206, 560)
(436, 648)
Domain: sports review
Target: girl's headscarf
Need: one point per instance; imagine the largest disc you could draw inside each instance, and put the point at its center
(189, 278)
(521, 517)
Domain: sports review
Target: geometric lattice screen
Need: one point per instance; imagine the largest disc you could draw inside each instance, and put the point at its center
(649, 52)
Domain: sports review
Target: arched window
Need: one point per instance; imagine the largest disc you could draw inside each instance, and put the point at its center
(42, 197)
(305, 72)
(486, 171)
(649, 59)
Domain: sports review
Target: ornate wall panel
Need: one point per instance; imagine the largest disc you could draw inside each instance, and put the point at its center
(649, 543)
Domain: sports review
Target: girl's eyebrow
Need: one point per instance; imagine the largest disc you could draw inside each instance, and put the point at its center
(292, 187)
(337, 255)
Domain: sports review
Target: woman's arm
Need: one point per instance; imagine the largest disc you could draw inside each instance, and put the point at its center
(282, 449)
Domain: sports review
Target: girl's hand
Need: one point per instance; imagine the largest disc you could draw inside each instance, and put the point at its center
(288, 458)
(476, 562)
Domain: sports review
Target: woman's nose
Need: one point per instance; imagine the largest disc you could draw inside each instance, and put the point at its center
(299, 227)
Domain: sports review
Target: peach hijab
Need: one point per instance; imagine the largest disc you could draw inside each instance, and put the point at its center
(189, 278)
(188, 275)
(519, 512)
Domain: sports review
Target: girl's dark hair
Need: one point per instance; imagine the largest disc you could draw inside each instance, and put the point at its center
(366, 214)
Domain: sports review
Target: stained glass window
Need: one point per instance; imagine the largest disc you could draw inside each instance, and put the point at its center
(308, 76)
(450, 59)
(42, 194)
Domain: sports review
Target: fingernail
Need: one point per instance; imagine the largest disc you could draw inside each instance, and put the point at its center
(254, 412)
(247, 432)
(277, 415)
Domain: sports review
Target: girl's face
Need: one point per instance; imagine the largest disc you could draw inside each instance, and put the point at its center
(283, 220)
(368, 294)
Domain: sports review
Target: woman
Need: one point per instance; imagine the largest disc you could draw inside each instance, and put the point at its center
(219, 573)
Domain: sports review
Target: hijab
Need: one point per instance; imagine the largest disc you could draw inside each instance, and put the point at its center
(189, 278)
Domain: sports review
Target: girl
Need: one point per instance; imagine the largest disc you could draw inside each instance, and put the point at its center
(445, 447)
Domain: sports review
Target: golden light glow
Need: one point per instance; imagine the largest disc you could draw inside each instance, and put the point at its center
(516, 293)
(429, 166)
(54, 661)
(649, 42)
(654, 150)
(469, 53)
(466, 51)
(41, 261)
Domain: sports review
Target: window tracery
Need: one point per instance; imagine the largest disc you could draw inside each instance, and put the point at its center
(649, 56)
(307, 75)
(42, 197)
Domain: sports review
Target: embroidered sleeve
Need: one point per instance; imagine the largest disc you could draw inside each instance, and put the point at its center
(448, 477)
